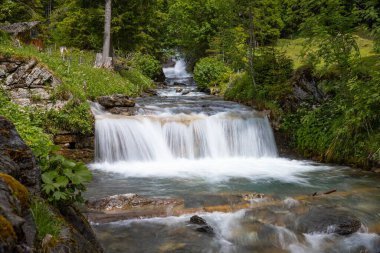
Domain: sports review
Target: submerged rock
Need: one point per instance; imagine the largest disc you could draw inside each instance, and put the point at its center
(328, 220)
(116, 100)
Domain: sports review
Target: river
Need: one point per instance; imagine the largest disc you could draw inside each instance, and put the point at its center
(189, 145)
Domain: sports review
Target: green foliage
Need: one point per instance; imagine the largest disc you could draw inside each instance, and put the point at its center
(209, 72)
(17, 11)
(45, 219)
(74, 117)
(64, 180)
(329, 29)
(77, 27)
(29, 130)
(147, 64)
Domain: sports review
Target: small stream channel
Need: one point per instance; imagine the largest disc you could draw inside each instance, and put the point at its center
(189, 145)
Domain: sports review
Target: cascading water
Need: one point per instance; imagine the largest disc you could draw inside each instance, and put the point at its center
(160, 138)
(204, 150)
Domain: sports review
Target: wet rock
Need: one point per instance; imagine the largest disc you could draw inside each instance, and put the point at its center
(16, 158)
(205, 229)
(130, 200)
(202, 225)
(328, 220)
(178, 90)
(185, 92)
(197, 220)
(116, 100)
(126, 111)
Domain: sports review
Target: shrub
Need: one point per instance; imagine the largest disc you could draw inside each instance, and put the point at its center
(147, 64)
(209, 72)
(64, 180)
(74, 117)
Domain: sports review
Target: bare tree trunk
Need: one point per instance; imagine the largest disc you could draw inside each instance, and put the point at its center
(105, 59)
(252, 45)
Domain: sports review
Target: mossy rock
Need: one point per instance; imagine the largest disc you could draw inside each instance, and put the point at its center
(19, 190)
(6, 230)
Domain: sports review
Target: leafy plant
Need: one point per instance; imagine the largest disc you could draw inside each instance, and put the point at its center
(64, 180)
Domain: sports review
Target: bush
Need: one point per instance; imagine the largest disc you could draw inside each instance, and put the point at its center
(64, 180)
(74, 117)
(210, 72)
(145, 63)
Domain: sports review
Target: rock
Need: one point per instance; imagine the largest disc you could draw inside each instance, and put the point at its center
(206, 229)
(130, 200)
(197, 220)
(29, 83)
(328, 220)
(185, 92)
(202, 225)
(17, 228)
(178, 90)
(116, 100)
(126, 111)
(16, 158)
(160, 77)
(179, 84)
(150, 92)
(81, 232)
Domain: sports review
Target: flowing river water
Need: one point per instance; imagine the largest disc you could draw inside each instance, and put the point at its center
(189, 145)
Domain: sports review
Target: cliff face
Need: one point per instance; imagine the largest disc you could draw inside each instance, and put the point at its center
(20, 179)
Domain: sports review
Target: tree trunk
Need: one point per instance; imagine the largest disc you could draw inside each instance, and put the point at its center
(105, 59)
(252, 45)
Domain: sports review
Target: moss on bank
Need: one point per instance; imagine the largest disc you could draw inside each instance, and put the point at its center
(6, 230)
(18, 190)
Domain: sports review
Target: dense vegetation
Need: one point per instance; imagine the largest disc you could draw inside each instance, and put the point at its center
(248, 51)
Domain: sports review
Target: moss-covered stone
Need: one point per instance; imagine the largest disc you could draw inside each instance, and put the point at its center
(6, 230)
(19, 190)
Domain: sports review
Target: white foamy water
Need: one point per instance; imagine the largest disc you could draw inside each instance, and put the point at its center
(215, 170)
(178, 71)
(170, 137)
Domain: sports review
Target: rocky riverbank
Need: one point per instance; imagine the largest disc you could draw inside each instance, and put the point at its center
(20, 186)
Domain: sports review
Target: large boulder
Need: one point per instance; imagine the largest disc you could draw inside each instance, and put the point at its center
(16, 158)
(327, 220)
(116, 100)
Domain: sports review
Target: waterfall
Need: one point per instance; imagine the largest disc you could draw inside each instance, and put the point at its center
(178, 71)
(194, 136)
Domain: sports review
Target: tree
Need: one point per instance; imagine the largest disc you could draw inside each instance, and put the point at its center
(105, 59)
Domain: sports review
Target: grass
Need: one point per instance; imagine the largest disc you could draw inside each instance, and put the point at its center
(293, 48)
(77, 69)
(46, 220)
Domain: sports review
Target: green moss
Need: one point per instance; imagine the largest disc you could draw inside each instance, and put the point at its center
(6, 230)
(19, 190)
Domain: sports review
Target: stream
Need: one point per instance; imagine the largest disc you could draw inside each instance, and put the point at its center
(189, 145)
